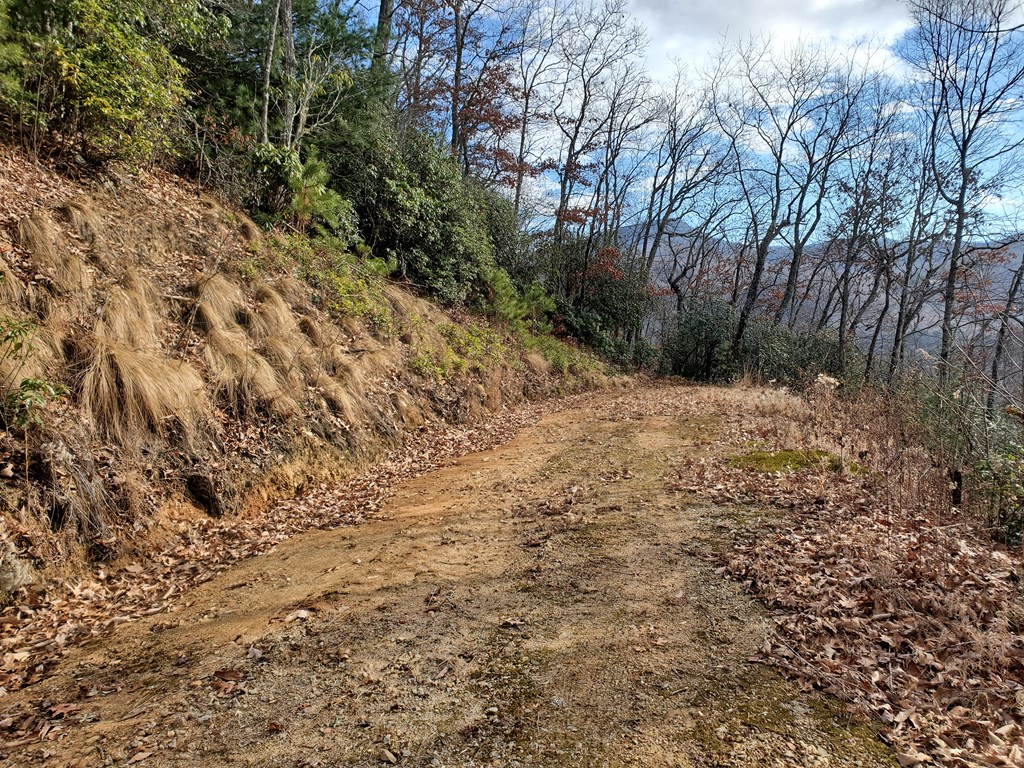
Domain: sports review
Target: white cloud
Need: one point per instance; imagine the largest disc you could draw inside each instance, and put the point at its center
(691, 30)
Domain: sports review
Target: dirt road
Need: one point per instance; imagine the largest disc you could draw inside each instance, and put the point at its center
(547, 603)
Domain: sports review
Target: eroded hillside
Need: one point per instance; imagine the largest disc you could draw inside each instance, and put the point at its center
(172, 362)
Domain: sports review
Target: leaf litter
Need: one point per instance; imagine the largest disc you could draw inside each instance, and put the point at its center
(907, 611)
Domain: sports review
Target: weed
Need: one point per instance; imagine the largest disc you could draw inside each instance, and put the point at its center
(441, 366)
(23, 399)
(477, 343)
(23, 407)
(563, 358)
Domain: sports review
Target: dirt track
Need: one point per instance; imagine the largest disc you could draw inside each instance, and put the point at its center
(548, 603)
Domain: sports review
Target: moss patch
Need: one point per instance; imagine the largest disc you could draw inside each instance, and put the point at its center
(761, 711)
(787, 460)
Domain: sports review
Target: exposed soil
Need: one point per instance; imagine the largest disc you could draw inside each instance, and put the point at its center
(549, 602)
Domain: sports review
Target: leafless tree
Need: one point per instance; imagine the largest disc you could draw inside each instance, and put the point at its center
(970, 54)
(786, 117)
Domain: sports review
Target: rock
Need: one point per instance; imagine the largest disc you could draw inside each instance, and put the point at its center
(387, 756)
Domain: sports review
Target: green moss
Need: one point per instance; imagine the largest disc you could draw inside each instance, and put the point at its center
(787, 460)
(763, 705)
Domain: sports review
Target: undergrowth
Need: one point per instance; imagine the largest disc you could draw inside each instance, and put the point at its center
(564, 358)
(350, 286)
(479, 345)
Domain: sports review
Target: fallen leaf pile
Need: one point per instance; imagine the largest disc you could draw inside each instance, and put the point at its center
(48, 619)
(911, 616)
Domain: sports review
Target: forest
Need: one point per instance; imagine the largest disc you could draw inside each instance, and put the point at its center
(778, 208)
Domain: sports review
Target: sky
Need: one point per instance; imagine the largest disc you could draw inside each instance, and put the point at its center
(691, 30)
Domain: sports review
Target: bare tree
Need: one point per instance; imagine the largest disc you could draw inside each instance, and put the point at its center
(536, 70)
(971, 54)
(596, 47)
(689, 158)
(775, 111)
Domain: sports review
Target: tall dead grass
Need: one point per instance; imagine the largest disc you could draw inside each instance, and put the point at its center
(127, 392)
(129, 387)
(242, 377)
(12, 290)
(38, 235)
(84, 220)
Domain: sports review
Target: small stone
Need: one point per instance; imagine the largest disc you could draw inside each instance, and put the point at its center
(387, 756)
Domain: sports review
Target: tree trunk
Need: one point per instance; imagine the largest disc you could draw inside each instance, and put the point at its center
(382, 37)
(290, 71)
(268, 62)
(997, 355)
(456, 100)
(949, 292)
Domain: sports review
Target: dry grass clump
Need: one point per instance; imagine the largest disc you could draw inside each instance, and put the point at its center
(241, 376)
(84, 219)
(219, 301)
(251, 233)
(132, 314)
(244, 378)
(335, 361)
(305, 355)
(404, 305)
(41, 238)
(274, 328)
(12, 290)
(126, 392)
(537, 364)
(128, 386)
(302, 353)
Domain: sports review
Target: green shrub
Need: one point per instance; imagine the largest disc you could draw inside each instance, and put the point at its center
(563, 357)
(1001, 491)
(699, 346)
(442, 367)
(23, 399)
(99, 74)
(347, 285)
(415, 208)
(477, 343)
(528, 309)
(511, 245)
(314, 203)
(12, 58)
